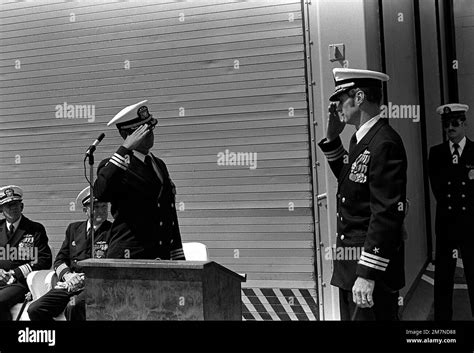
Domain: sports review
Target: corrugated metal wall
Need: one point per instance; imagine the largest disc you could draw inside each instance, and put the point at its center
(464, 31)
(219, 75)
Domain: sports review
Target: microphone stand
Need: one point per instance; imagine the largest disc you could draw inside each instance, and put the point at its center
(90, 155)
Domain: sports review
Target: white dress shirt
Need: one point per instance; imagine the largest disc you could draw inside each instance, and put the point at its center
(364, 129)
(461, 144)
(15, 225)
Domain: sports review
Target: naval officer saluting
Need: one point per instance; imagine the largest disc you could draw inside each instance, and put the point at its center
(451, 167)
(371, 197)
(141, 193)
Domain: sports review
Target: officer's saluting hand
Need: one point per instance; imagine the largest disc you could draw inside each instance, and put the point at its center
(136, 137)
(335, 124)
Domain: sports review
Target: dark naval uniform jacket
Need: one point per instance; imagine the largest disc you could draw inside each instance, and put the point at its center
(77, 246)
(371, 201)
(453, 188)
(143, 206)
(28, 237)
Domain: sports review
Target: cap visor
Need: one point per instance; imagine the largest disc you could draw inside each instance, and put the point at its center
(8, 200)
(335, 96)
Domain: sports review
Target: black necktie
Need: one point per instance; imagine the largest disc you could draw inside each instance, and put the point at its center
(149, 165)
(353, 142)
(11, 231)
(456, 150)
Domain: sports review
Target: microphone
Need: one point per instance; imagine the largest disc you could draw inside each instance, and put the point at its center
(92, 147)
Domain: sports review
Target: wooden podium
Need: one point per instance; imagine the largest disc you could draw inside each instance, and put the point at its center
(132, 289)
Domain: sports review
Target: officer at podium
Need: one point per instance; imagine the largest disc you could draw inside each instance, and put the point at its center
(76, 246)
(140, 190)
(24, 244)
(451, 170)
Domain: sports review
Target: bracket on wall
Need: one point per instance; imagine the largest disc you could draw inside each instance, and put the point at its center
(337, 52)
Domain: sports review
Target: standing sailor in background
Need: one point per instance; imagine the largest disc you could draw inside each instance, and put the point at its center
(451, 168)
(142, 195)
(371, 197)
(76, 247)
(30, 242)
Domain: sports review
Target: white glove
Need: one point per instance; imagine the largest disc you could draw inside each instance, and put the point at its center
(12, 277)
(67, 276)
(76, 282)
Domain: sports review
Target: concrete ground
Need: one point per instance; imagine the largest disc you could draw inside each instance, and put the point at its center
(420, 306)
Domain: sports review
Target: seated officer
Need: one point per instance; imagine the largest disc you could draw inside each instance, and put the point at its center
(76, 247)
(142, 195)
(451, 169)
(24, 244)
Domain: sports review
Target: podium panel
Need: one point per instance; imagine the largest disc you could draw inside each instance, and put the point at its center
(132, 289)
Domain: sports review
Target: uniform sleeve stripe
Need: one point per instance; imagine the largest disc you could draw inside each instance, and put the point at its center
(375, 257)
(372, 261)
(117, 164)
(119, 157)
(25, 269)
(61, 268)
(362, 262)
(118, 160)
(177, 254)
(336, 154)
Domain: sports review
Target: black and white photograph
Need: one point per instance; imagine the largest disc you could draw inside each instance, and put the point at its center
(236, 175)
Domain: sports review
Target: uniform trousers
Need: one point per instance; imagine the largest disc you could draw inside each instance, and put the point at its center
(447, 248)
(10, 295)
(53, 303)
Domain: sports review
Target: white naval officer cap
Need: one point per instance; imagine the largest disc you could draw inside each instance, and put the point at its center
(84, 196)
(133, 116)
(452, 110)
(345, 79)
(10, 193)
